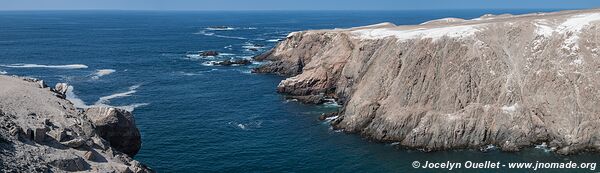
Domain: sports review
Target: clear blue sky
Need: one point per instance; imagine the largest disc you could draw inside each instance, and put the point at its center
(292, 4)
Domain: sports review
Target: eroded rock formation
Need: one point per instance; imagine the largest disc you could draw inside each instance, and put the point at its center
(510, 81)
(40, 131)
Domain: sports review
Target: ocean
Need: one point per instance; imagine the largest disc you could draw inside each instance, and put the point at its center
(198, 117)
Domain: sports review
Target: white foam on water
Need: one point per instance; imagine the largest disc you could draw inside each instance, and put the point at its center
(331, 118)
(220, 36)
(190, 74)
(209, 63)
(197, 73)
(68, 66)
(291, 100)
(226, 54)
(3, 72)
(194, 56)
(102, 72)
(77, 102)
(132, 107)
(331, 103)
(246, 126)
(274, 40)
(106, 99)
(291, 34)
(221, 29)
(228, 28)
(252, 46)
(258, 62)
(245, 71)
(544, 147)
(198, 56)
(489, 147)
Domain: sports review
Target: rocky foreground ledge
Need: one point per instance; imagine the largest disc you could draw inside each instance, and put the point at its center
(509, 81)
(40, 131)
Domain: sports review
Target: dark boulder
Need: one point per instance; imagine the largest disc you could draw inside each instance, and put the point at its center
(209, 53)
(234, 62)
(118, 127)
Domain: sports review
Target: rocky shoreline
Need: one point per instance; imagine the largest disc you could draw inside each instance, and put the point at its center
(509, 81)
(41, 131)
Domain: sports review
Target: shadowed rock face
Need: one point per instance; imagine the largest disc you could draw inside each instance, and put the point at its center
(40, 131)
(118, 127)
(510, 81)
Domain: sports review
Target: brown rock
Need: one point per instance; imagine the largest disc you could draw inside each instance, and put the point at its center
(455, 84)
(89, 155)
(209, 53)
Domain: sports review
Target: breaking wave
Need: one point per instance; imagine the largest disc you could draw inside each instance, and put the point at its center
(77, 102)
(132, 107)
(203, 32)
(102, 72)
(106, 99)
(198, 56)
(223, 28)
(331, 103)
(103, 101)
(220, 28)
(68, 66)
(246, 126)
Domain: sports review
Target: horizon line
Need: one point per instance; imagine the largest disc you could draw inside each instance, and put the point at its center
(297, 10)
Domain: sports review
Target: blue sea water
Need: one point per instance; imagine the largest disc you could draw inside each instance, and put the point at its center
(200, 118)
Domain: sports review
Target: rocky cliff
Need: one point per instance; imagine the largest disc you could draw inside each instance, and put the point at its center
(40, 131)
(505, 80)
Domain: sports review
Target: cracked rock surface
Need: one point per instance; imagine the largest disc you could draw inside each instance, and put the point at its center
(40, 131)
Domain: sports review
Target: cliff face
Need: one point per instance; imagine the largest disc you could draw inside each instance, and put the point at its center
(40, 131)
(510, 81)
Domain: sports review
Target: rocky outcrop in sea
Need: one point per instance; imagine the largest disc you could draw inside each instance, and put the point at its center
(40, 131)
(512, 81)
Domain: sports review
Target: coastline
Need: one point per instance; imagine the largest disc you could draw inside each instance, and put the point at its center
(452, 83)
